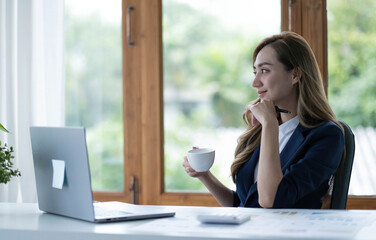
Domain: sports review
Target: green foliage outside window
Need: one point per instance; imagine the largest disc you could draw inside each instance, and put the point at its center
(207, 80)
(94, 94)
(352, 60)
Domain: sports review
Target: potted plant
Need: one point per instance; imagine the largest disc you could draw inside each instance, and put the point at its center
(6, 155)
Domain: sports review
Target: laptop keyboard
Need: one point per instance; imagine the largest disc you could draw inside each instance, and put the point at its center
(105, 212)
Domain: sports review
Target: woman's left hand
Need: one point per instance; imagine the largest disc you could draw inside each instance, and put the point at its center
(263, 112)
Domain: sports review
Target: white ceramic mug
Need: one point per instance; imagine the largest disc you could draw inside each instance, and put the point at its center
(201, 159)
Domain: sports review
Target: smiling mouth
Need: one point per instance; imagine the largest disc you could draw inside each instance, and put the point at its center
(261, 92)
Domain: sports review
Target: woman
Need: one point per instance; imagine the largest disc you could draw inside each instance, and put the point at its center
(283, 159)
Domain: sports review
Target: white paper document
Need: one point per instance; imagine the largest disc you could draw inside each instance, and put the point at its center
(288, 224)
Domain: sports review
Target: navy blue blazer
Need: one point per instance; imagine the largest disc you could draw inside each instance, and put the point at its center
(309, 159)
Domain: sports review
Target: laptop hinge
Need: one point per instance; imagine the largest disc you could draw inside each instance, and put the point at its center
(134, 189)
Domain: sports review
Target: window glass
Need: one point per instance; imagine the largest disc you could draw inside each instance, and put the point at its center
(352, 82)
(207, 52)
(94, 85)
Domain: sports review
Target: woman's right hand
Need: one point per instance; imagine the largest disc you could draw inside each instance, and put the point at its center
(247, 111)
(190, 171)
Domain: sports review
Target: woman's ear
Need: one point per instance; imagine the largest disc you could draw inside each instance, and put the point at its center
(297, 75)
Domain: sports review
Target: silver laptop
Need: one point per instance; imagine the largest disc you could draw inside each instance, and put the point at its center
(63, 180)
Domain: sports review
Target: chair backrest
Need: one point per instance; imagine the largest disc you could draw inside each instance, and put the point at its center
(342, 177)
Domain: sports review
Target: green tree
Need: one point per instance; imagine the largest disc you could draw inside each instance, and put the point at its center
(193, 60)
(94, 94)
(352, 61)
(208, 70)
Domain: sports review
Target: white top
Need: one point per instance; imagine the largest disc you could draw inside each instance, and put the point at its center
(286, 129)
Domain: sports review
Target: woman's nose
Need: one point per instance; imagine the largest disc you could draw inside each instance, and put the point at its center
(256, 82)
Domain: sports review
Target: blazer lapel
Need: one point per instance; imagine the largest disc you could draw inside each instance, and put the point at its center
(292, 146)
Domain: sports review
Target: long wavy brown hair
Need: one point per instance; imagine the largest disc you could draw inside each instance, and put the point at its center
(294, 53)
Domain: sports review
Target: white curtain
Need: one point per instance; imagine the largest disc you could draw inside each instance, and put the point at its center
(31, 82)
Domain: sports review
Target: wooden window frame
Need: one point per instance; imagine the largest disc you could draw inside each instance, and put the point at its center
(143, 98)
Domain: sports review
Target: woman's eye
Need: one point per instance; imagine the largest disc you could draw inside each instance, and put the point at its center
(262, 71)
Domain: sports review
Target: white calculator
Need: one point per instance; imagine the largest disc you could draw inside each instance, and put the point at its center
(224, 218)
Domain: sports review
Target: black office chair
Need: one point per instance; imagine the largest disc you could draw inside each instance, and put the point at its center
(343, 174)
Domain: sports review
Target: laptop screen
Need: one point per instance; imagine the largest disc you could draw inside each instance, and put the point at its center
(62, 171)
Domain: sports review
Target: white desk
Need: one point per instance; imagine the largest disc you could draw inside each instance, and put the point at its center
(25, 221)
